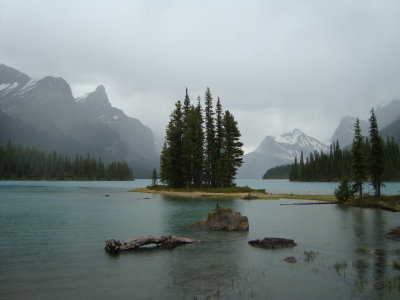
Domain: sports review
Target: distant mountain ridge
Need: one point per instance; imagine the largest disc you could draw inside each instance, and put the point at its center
(275, 151)
(387, 113)
(57, 121)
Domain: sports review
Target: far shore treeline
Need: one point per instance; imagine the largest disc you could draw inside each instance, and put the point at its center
(24, 163)
(201, 148)
(338, 163)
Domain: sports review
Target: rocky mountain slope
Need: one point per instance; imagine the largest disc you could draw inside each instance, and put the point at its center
(45, 114)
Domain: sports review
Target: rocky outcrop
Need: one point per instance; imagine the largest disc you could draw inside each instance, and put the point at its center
(394, 234)
(160, 241)
(223, 219)
(273, 243)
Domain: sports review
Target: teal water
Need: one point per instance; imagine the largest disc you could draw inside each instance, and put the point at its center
(53, 233)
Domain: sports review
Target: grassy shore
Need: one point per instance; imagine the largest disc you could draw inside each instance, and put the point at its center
(244, 193)
(391, 203)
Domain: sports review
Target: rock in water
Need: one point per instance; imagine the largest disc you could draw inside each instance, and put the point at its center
(223, 219)
(161, 241)
(273, 243)
(394, 234)
(290, 259)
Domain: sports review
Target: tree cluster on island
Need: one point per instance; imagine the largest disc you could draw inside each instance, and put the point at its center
(202, 147)
(17, 162)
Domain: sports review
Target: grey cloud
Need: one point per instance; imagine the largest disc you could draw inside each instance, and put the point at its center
(275, 64)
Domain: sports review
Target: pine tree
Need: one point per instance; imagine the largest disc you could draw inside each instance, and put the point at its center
(344, 191)
(209, 163)
(231, 156)
(376, 165)
(358, 160)
(198, 145)
(219, 139)
(171, 155)
(187, 141)
(154, 177)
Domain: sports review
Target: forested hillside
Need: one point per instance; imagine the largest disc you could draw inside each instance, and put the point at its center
(17, 162)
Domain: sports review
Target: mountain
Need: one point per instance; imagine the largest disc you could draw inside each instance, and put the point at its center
(45, 114)
(275, 151)
(138, 137)
(386, 113)
(345, 131)
(392, 130)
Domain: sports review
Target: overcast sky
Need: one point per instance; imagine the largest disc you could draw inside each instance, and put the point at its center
(277, 65)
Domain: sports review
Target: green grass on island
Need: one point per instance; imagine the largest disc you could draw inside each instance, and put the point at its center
(391, 203)
(245, 193)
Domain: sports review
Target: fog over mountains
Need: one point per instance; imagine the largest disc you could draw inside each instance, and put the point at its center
(275, 151)
(45, 114)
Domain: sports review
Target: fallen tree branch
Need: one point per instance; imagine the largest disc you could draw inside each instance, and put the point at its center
(160, 241)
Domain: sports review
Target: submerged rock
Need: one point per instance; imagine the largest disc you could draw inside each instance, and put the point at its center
(290, 259)
(273, 243)
(223, 219)
(161, 241)
(394, 233)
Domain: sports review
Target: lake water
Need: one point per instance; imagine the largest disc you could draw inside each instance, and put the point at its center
(53, 233)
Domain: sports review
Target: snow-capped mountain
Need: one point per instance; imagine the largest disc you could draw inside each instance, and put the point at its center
(275, 151)
(45, 114)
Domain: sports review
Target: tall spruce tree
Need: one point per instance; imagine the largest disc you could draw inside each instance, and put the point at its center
(171, 155)
(358, 160)
(187, 142)
(231, 156)
(218, 145)
(198, 145)
(376, 163)
(209, 162)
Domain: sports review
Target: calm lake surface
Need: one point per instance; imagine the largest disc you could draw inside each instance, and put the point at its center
(53, 233)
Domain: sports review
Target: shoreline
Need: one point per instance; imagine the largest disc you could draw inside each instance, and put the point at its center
(238, 195)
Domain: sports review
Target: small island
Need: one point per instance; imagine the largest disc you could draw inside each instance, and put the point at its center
(243, 193)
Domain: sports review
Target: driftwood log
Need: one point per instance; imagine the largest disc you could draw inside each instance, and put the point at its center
(160, 241)
(273, 243)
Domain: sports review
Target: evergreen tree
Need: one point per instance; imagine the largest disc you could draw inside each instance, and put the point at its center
(209, 163)
(171, 155)
(187, 141)
(219, 139)
(198, 145)
(232, 153)
(376, 164)
(154, 177)
(344, 191)
(358, 160)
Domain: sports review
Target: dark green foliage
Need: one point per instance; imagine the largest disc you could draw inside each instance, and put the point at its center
(358, 159)
(209, 159)
(154, 177)
(381, 161)
(376, 161)
(280, 172)
(171, 155)
(344, 191)
(18, 163)
(192, 157)
(333, 166)
(322, 166)
(198, 145)
(231, 151)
